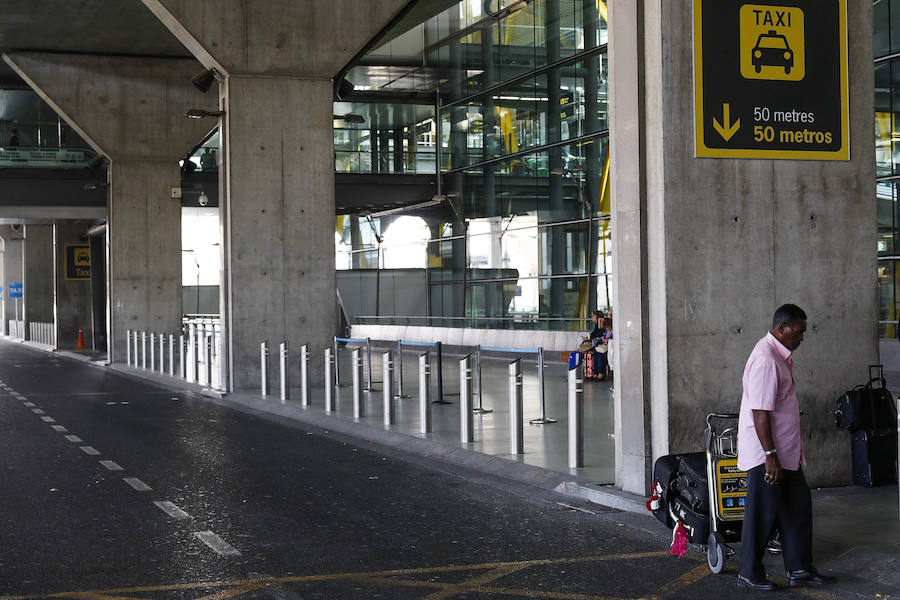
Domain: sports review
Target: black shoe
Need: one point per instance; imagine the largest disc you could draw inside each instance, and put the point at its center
(809, 577)
(763, 585)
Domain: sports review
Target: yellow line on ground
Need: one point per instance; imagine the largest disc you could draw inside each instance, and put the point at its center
(678, 584)
(342, 576)
(234, 592)
(475, 582)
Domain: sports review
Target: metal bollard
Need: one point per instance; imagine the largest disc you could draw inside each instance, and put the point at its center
(191, 363)
(337, 364)
(516, 428)
(304, 375)
(399, 368)
(369, 366)
(207, 357)
(162, 352)
(143, 349)
(480, 409)
(359, 409)
(152, 351)
(466, 424)
(201, 352)
(182, 360)
(171, 355)
(263, 368)
(283, 364)
(387, 366)
(128, 347)
(425, 393)
(440, 376)
(329, 382)
(576, 418)
(543, 419)
(134, 353)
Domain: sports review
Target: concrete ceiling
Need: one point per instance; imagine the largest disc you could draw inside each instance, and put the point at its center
(84, 26)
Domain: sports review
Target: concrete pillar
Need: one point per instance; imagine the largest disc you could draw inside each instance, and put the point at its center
(13, 243)
(706, 249)
(73, 296)
(276, 60)
(131, 110)
(40, 269)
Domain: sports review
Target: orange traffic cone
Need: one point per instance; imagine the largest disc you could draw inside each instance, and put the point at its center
(80, 345)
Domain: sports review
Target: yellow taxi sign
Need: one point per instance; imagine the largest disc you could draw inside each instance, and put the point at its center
(770, 79)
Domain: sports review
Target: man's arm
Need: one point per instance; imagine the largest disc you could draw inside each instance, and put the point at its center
(763, 424)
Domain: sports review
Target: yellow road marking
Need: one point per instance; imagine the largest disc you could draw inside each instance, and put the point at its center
(497, 570)
(475, 582)
(691, 577)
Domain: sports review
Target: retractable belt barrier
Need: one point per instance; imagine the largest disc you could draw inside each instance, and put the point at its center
(543, 419)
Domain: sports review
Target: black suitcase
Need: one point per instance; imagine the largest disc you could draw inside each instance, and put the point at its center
(690, 483)
(869, 406)
(664, 471)
(695, 523)
(874, 454)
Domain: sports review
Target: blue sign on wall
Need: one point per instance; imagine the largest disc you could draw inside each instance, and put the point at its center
(15, 290)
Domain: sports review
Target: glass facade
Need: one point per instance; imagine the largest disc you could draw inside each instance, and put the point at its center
(887, 158)
(32, 135)
(520, 234)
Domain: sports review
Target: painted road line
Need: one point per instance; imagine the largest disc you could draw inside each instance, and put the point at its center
(90, 450)
(59, 428)
(74, 439)
(112, 466)
(216, 544)
(37, 411)
(48, 419)
(30, 404)
(171, 509)
(137, 484)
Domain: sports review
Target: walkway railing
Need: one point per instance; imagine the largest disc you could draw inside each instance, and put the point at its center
(42, 333)
(194, 354)
(17, 329)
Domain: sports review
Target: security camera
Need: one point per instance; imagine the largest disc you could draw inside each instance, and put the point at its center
(204, 199)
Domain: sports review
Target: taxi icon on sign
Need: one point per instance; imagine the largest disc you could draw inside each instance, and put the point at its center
(772, 50)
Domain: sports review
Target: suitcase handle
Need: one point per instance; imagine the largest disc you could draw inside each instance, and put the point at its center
(876, 373)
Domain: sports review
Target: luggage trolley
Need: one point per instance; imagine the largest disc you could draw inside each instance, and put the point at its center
(727, 489)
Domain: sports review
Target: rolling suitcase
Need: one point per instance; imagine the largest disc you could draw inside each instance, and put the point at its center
(696, 523)
(664, 472)
(874, 454)
(691, 483)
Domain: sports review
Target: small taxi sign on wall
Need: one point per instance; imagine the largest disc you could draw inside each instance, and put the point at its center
(78, 261)
(770, 79)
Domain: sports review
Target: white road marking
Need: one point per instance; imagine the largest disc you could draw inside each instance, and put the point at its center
(74, 439)
(48, 419)
(112, 466)
(90, 450)
(30, 404)
(171, 509)
(216, 544)
(137, 484)
(37, 411)
(59, 428)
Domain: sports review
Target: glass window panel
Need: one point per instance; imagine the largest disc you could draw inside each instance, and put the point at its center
(882, 13)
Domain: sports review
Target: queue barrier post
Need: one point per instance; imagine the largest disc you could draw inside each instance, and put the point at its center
(171, 355)
(182, 371)
(304, 375)
(134, 353)
(358, 407)
(466, 424)
(576, 417)
(480, 409)
(143, 349)
(329, 381)
(263, 368)
(369, 366)
(516, 428)
(425, 393)
(440, 376)
(208, 353)
(337, 364)
(283, 371)
(162, 353)
(399, 368)
(128, 347)
(543, 419)
(387, 366)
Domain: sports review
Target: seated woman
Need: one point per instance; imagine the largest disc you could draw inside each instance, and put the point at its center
(595, 357)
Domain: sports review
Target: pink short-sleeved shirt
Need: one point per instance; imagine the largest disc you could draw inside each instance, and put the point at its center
(769, 385)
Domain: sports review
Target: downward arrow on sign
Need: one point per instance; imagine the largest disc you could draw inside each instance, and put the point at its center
(727, 130)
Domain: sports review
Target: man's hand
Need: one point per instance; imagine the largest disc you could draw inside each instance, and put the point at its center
(773, 469)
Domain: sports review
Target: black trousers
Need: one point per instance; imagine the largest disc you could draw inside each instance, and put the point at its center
(786, 504)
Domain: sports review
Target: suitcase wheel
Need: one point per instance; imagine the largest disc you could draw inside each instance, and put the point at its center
(715, 553)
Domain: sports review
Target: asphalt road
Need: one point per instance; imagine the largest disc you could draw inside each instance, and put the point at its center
(116, 488)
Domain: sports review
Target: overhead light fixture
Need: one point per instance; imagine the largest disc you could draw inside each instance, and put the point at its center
(204, 80)
(350, 118)
(199, 113)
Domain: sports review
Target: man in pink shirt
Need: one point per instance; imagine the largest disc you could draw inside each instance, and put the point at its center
(770, 449)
